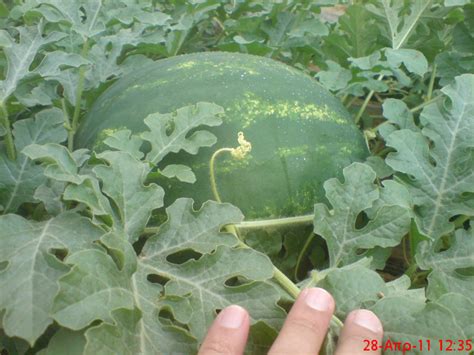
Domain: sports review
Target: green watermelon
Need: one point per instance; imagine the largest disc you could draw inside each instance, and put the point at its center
(301, 135)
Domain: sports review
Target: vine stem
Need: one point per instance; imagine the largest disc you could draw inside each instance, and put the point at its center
(411, 271)
(10, 146)
(277, 222)
(67, 121)
(286, 283)
(79, 91)
(213, 174)
(426, 103)
(366, 102)
(413, 240)
(151, 230)
(344, 99)
(302, 253)
(404, 250)
(431, 84)
(351, 101)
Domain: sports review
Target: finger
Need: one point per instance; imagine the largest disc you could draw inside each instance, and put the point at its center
(228, 334)
(362, 334)
(306, 325)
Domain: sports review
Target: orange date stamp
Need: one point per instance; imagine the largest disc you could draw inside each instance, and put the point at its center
(446, 345)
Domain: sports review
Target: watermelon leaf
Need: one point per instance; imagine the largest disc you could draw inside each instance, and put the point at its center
(181, 172)
(50, 194)
(84, 17)
(53, 62)
(409, 319)
(335, 78)
(29, 249)
(446, 265)
(65, 341)
(353, 286)
(123, 141)
(168, 132)
(354, 36)
(399, 27)
(20, 178)
(435, 164)
(117, 286)
(339, 227)
(413, 60)
(21, 55)
(130, 334)
(60, 163)
(89, 193)
(123, 182)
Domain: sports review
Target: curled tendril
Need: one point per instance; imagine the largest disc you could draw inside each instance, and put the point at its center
(243, 149)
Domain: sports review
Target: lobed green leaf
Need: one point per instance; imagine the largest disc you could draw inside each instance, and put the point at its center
(339, 227)
(436, 163)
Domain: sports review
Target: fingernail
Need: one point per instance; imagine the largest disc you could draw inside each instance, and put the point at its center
(318, 299)
(368, 320)
(231, 317)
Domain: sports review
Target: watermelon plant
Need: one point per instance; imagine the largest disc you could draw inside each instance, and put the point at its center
(127, 223)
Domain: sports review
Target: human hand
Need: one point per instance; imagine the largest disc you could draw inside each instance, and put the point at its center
(303, 332)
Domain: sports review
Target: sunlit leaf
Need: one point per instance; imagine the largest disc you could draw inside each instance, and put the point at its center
(349, 199)
(28, 248)
(436, 164)
(20, 55)
(20, 178)
(169, 132)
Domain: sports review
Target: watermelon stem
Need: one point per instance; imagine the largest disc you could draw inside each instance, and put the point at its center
(67, 121)
(277, 222)
(8, 134)
(77, 104)
(426, 103)
(366, 102)
(302, 253)
(431, 84)
(238, 153)
(212, 173)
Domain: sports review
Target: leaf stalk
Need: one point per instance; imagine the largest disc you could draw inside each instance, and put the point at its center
(276, 222)
(67, 121)
(212, 172)
(79, 91)
(426, 103)
(366, 102)
(431, 84)
(10, 146)
(301, 254)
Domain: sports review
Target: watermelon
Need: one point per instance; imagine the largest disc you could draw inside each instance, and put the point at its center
(300, 133)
